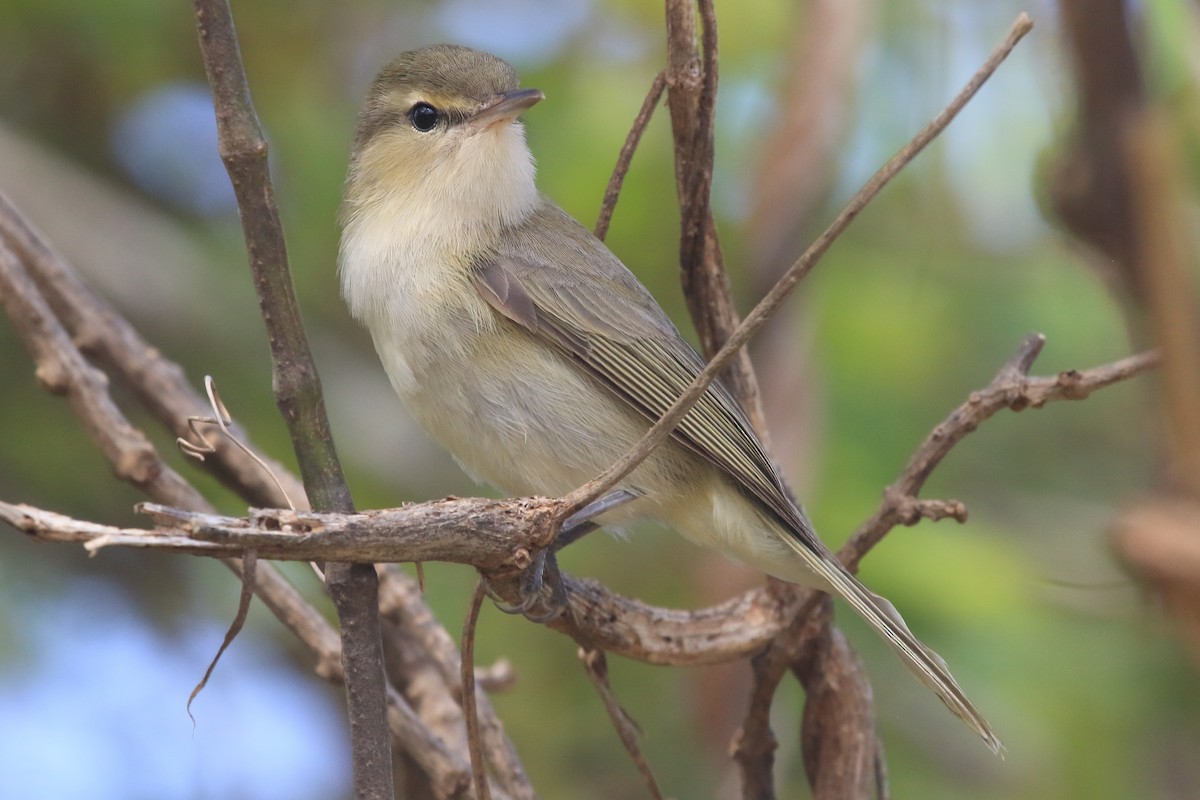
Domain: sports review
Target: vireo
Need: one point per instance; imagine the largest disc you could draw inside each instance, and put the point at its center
(526, 348)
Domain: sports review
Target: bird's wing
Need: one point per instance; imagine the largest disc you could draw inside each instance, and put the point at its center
(572, 293)
(580, 299)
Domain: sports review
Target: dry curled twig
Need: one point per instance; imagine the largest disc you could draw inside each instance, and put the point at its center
(221, 418)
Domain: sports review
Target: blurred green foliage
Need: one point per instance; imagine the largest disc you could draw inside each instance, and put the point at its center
(918, 304)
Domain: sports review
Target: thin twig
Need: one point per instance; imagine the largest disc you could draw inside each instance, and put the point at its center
(595, 665)
(613, 191)
(775, 298)
(1012, 388)
(474, 745)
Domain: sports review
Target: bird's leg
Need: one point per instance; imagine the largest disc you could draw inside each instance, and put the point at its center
(580, 523)
(544, 572)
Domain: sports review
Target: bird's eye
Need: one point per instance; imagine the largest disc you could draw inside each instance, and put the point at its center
(424, 117)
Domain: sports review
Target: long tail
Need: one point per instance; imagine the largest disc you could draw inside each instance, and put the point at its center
(927, 665)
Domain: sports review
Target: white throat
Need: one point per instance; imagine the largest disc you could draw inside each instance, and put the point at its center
(413, 227)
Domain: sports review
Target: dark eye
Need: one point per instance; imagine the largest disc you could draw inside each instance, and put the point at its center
(424, 117)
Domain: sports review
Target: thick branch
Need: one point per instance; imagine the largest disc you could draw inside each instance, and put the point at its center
(353, 587)
(244, 151)
(838, 740)
(491, 535)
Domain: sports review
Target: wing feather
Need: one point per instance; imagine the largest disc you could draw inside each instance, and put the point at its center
(589, 307)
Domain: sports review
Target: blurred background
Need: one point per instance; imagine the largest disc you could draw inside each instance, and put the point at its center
(107, 142)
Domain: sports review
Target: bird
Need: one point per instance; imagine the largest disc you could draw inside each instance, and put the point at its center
(525, 347)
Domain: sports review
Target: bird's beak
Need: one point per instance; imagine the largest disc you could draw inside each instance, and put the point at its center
(506, 107)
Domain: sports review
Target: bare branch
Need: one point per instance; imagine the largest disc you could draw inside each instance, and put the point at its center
(692, 99)
(353, 587)
(447, 770)
(244, 152)
(842, 753)
(412, 629)
(774, 298)
(159, 384)
(1011, 388)
(62, 370)
(491, 535)
(754, 744)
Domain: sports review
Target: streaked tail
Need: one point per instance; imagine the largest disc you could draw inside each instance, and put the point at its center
(883, 617)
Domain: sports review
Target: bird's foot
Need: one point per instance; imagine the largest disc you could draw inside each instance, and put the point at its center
(542, 581)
